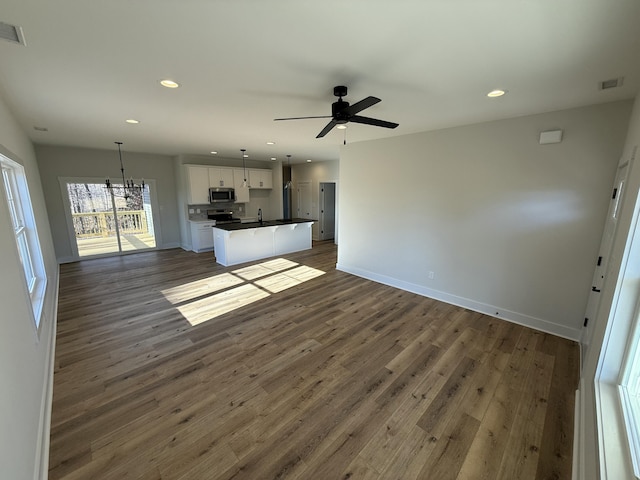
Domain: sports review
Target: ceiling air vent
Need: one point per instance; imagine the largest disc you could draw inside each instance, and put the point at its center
(11, 33)
(613, 83)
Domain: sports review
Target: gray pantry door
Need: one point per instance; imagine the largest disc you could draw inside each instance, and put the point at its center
(327, 210)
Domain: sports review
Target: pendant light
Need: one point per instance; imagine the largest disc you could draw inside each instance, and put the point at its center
(288, 184)
(244, 168)
(129, 187)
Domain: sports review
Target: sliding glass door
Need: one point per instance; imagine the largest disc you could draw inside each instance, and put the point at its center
(108, 221)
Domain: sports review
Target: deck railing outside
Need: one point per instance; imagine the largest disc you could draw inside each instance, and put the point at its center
(103, 224)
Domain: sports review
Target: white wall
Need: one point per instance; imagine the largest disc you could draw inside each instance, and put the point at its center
(315, 173)
(507, 226)
(26, 358)
(55, 162)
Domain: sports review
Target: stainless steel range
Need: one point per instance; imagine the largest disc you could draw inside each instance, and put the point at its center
(222, 217)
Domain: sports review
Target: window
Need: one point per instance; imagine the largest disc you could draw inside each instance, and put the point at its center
(629, 390)
(617, 380)
(22, 220)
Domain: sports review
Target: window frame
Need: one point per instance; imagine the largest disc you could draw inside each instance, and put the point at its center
(16, 194)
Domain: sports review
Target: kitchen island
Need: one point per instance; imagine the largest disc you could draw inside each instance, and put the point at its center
(243, 242)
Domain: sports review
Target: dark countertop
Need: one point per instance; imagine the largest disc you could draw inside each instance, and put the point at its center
(231, 227)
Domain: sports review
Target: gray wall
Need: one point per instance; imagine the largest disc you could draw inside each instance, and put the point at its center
(26, 357)
(55, 162)
(507, 226)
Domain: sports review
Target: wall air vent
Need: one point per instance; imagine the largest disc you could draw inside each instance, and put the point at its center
(613, 83)
(11, 33)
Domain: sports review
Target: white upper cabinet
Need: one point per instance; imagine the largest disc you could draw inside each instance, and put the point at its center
(201, 178)
(260, 178)
(220, 177)
(242, 194)
(198, 178)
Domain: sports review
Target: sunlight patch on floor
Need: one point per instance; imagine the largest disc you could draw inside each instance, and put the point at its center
(211, 307)
(265, 268)
(191, 290)
(198, 301)
(281, 281)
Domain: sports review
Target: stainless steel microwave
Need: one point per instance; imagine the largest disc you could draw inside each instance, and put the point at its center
(221, 195)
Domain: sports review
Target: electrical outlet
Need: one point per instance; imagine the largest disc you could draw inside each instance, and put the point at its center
(197, 210)
(191, 211)
(431, 275)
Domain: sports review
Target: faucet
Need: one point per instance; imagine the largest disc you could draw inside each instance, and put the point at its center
(260, 215)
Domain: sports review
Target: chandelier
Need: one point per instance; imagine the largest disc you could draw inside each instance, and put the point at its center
(129, 187)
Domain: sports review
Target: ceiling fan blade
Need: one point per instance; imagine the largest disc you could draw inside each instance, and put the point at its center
(361, 105)
(327, 129)
(300, 118)
(372, 121)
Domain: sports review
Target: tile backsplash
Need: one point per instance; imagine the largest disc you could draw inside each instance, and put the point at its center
(199, 212)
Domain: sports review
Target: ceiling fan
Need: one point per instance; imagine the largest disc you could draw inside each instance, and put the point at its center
(342, 112)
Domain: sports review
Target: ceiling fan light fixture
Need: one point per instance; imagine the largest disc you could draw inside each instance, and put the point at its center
(341, 127)
(132, 121)
(496, 93)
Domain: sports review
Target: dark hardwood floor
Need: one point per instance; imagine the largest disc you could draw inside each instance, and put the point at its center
(169, 366)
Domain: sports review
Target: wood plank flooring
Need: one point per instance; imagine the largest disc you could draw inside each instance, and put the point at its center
(169, 366)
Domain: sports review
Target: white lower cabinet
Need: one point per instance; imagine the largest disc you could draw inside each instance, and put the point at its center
(202, 236)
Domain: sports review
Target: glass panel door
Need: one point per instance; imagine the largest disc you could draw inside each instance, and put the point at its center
(107, 222)
(134, 220)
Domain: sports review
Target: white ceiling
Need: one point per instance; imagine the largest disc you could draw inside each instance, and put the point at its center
(89, 65)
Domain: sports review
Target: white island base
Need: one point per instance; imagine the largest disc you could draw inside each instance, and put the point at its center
(233, 246)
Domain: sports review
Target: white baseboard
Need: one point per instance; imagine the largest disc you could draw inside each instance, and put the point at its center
(41, 471)
(168, 246)
(492, 310)
(577, 439)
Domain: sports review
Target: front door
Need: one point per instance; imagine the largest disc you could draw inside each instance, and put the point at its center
(604, 253)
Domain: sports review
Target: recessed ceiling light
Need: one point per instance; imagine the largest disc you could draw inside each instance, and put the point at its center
(341, 127)
(169, 83)
(308, 161)
(214, 153)
(132, 120)
(271, 143)
(496, 93)
(273, 159)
